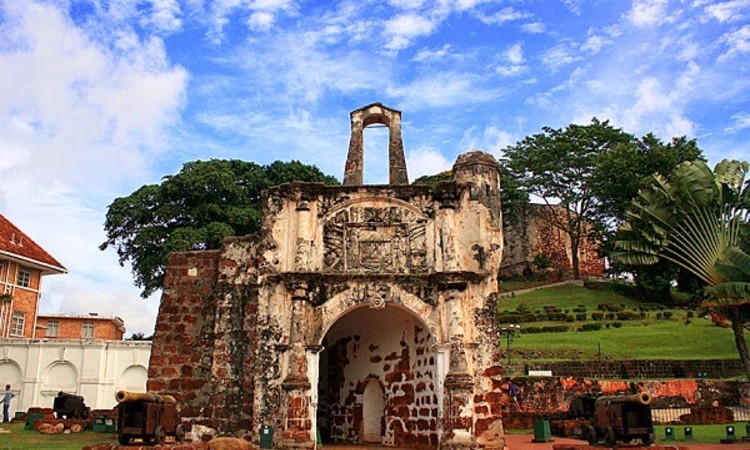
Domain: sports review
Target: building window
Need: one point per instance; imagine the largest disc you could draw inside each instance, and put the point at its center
(88, 330)
(17, 323)
(24, 277)
(53, 328)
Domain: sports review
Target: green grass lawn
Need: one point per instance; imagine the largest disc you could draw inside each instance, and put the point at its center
(18, 438)
(649, 338)
(701, 433)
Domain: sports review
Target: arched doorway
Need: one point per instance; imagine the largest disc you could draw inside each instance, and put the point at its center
(378, 380)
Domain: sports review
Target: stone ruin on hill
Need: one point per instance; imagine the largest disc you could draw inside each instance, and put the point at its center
(362, 311)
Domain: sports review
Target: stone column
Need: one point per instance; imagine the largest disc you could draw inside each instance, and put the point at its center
(297, 432)
(304, 243)
(459, 384)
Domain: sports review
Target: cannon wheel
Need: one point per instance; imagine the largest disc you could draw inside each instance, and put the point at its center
(591, 435)
(179, 434)
(123, 439)
(160, 435)
(609, 437)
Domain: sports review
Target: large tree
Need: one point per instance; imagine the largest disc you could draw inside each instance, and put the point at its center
(700, 221)
(557, 166)
(193, 210)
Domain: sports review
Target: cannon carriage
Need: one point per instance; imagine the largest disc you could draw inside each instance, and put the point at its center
(147, 416)
(70, 406)
(621, 418)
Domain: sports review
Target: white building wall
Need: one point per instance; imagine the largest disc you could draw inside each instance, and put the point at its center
(37, 369)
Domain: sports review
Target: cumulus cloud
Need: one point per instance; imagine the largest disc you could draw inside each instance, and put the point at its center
(260, 15)
(515, 61)
(79, 119)
(490, 138)
(426, 161)
(401, 30)
(648, 12)
(558, 57)
(731, 11)
(738, 42)
(595, 43)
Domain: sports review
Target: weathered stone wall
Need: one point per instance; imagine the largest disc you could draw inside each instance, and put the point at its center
(534, 235)
(644, 369)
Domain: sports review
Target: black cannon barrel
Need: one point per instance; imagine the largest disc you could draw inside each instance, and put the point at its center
(642, 398)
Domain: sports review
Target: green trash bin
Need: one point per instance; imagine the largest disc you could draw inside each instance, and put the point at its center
(110, 425)
(266, 436)
(542, 431)
(99, 425)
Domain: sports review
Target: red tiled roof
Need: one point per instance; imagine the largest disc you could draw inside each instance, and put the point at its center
(16, 243)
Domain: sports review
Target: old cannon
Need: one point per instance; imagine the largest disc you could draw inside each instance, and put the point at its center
(147, 416)
(621, 418)
(70, 406)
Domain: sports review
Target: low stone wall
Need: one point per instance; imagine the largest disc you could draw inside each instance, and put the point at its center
(641, 369)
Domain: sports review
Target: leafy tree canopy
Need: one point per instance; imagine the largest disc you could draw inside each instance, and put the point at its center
(193, 210)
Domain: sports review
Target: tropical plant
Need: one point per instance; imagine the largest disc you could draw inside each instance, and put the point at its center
(698, 221)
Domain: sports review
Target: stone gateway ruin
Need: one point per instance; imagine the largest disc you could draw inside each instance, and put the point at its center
(361, 313)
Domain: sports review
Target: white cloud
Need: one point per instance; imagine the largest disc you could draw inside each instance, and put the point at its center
(490, 139)
(731, 11)
(402, 29)
(426, 54)
(507, 14)
(164, 16)
(80, 121)
(514, 56)
(426, 161)
(595, 43)
(442, 89)
(649, 12)
(406, 4)
(573, 6)
(534, 27)
(738, 42)
(741, 122)
(260, 15)
(558, 57)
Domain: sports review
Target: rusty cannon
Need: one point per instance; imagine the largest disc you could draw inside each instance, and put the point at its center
(70, 406)
(147, 416)
(621, 418)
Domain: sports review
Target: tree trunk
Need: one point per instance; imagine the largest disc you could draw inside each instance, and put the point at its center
(739, 340)
(574, 244)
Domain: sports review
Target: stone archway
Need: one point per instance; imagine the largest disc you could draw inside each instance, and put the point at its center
(386, 352)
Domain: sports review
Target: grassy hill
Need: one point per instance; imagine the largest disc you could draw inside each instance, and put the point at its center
(635, 331)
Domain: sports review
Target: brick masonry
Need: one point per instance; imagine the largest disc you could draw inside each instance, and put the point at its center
(639, 369)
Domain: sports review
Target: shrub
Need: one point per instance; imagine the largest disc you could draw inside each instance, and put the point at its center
(523, 308)
(667, 314)
(596, 326)
(532, 330)
(579, 309)
(626, 315)
(581, 317)
(610, 316)
(570, 318)
(658, 316)
(617, 324)
(611, 307)
(597, 315)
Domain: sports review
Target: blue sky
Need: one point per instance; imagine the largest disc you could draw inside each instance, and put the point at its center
(100, 97)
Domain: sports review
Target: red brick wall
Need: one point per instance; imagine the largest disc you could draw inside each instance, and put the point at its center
(24, 299)
(180, 361)
(72, 328)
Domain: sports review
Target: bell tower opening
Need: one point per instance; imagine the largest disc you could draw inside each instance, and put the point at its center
(378, 380)
(361, 118)
(374, 156)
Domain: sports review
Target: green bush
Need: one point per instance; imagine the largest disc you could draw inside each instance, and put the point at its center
(597, 315)
(596, 326)
(658, 316)
(580, 309)
(532, 330)
(668, 314)
(611, 307)
(581, 317)
(626, 315)
(617, 324)
(570, 318)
